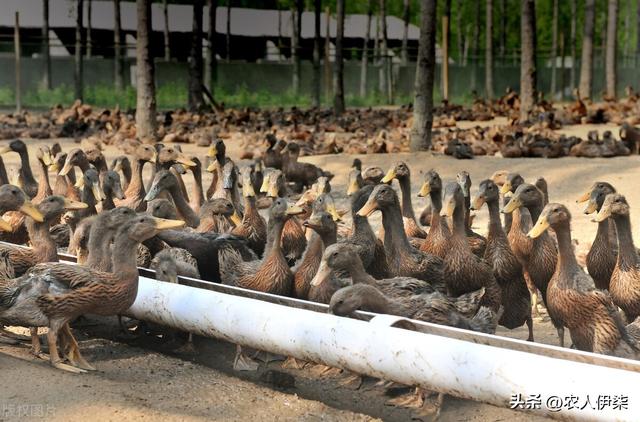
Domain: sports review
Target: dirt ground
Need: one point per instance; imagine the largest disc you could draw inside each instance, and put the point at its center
(139, 378)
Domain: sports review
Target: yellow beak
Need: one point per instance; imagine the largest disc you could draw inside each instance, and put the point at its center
(97, 192)
(212, 167)
(592, 206)
(54, 167)
(584, 197)
(272, 192)
(369, 208)
(513, 204)
(505, 188)
(213, 151)
(164, 224)
(235, 218)
(247, 189)
(425, 190)
(322, 275)
(186, 161)
(294, 210)
(541, 226)
(66, 169)
(265, 185)
(28, 209)
(353, 187)
(46, 159)
(5, 149)
(74, 205)
(331, 209)
(605, 212)
(391, 174)
(5, 226)
(478, 202)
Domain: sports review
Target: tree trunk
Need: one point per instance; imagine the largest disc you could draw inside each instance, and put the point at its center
(145, 74)
(117, 46)
(328, 77)
(425, 74)
(297, 40)
(586, 62)
(527, 58)
(475, 46)
(610, 62)
(638, 32)
(446, 47)
(382, 71)
(365, 52)
(77, 74)
(554, 47)
(405, 32)
(196, 99)
(460, 32)
(167, 36)
(503, 29)
(89, 28)
(572, 42)
(46, 55)
(229, 30)
(338, 74)
(211, 64)
(317, 41)
(488, 55)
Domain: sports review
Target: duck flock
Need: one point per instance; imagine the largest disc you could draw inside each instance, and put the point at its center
(432, 267)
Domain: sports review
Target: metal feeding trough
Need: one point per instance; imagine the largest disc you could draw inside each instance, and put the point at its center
(547, 380)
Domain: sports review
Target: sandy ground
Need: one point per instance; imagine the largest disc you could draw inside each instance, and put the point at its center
(140, 379)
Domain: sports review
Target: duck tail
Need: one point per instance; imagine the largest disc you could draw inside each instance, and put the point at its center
(468, 303)
(484, 321)
(9, 294)
(622, 328)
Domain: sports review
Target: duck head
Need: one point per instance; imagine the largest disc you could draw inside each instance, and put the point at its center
(432, 183)
(381, 197)
(525, 195)
(487, 192)
(553, 215)
(595, 196)
(614, 204)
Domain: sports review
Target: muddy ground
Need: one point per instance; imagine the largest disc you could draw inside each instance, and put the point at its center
(141, 378)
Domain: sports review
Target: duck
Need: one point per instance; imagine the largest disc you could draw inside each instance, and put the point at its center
(437, 241)
(30, 186)
(112, 189)
(53, 294)
(301, 174)
(464, 272)
(253, 226)
(273, 155)
(100, 232)
(75, 158)
(95, 157)
(91, 193)
(477, 242)
(539, 255)
(402, 174)
(198, 192)
(218, 153)
(168, 268)
(122, 165)
(625, 279)
(162, 208)
(507, 270)
(602, 257)
(165, 180)
(402, 258)
(45, 160)
(218, 216)
(135, 193)
(63, 185)
(43, 247)
(594, 323)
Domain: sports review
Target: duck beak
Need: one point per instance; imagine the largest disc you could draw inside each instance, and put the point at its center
(541, 226)
(235, 218)
(605, 212)
(54, 167)
(294, 210)
(272, 192)
(505, 188)
(584, 197)
(478, 202)
(211, 167)
(70, 205)
(79, 183)
(97, 192)
(154, 157)
(323, 274)
(5, 149)
(46, 159)
(185, 161)
(592, 206)
(353, 187)
(369, 208)
(179, 168)
(153, 193)
(66, 169)
(331, 209)
(5, 226)
(513, 204)
(265, 185)
(118, 166)
(313, 222)
(304, 199)
(425, 190)
(164, 224)
(28, 209)
(448, 208)
(391, 174)
(247, 190)
(213, 151)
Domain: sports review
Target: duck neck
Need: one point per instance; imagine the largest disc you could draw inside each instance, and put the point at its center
(407, 206)
(436, 207)
(100, 238)
(183, 207)
(136, 187)
(360, 226)
(88, 198)
(535, 210)
(44, 187)
(198, 195)
(101, 166)
(43, 244)
(359, 274)
(25, 169)
(467, 213)
(394, 235)
(376, 302)
(274, 236)
(4, 179)
(566, 257)
(627, 255)
(459, 224)
(107, 203)
(124, 257)
(329, 237)
(495, 225)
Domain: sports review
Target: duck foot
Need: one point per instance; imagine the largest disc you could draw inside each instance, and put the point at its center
(68, 368)
(414, 400)
(242, 362)
(351, 381)
(267, 357)
(293, 363)
(430, 411)
(324, 371)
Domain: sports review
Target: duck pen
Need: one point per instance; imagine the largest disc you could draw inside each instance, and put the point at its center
(556, 382)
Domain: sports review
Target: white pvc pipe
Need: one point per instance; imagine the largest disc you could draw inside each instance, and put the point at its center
(461, 368)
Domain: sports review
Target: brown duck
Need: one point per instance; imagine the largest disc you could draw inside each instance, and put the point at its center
(253, 227)
(437, 240)
(402, 174)
(135, 193)
(476, 241)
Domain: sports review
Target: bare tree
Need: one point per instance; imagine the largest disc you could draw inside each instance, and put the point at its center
(503, 29)
(167, 36)
(488, 52)
(572, 41)
(365, 52)
(145, 73)
(586, 62)
(475, 42)
(317, 41)
(425, 75)
(328, 77)
(382, 72)
(338, 73)
(46, 55)
(89, 29)
(196, 99)
(554, 46)
(77, 74)
(229, 30)
(610, 67)
(527, 58)
(460, 32)
(405, 32)
(296, 39)
(638, 31)
(117, 46)
(211, 64)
